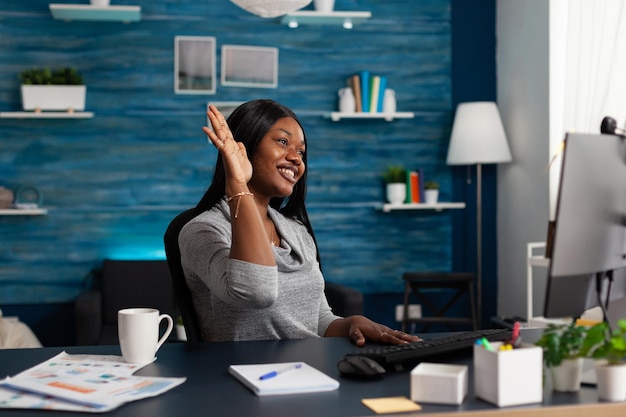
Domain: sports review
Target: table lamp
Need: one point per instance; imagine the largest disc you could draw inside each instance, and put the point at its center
(478, 138)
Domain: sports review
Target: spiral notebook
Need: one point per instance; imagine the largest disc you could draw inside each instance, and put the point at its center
(283, 378)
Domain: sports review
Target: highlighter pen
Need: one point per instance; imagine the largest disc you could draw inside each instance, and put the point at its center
(280, 371)
(486, 344)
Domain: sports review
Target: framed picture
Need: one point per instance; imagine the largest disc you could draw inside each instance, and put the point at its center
(225, 107)
(249, 66)
(194, 65)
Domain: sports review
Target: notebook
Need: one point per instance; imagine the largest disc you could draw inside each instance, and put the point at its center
(283, 378)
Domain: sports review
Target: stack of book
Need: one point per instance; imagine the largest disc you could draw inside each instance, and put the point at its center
(414, 186)
(369, 90)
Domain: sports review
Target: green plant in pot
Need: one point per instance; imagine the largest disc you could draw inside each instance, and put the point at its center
(55, 90)
(431, 192)
(608, 347)
(563, 354)
(395, 177)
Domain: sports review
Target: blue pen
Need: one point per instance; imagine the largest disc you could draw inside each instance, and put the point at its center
(280, 371)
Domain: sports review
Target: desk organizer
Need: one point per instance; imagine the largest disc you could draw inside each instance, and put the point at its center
(439, 383)
(508, 377)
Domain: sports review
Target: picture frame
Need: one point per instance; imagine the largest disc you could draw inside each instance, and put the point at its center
(194, 65)
(225, 107)
(249, 66)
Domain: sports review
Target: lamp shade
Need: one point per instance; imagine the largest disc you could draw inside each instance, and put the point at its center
(271, 8)
(478, 135)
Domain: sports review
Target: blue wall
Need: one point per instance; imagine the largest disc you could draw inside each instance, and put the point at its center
(112, 183)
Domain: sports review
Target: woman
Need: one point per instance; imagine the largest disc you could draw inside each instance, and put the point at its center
(250, 257)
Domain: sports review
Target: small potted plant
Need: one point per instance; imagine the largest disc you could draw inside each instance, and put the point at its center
(563, 355)
(431, 192)
(55, 90)
(395, 178)
(608, 347)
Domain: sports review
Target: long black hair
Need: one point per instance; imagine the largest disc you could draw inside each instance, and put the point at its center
(249, 123)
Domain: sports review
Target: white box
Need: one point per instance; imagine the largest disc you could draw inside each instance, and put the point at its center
(508, 377)
(439, 383)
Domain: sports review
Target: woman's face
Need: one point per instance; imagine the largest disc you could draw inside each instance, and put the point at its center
(278, 160)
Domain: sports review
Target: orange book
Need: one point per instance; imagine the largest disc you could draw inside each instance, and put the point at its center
(415, 194)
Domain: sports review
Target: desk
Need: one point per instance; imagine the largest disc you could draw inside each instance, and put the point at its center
(211, 391)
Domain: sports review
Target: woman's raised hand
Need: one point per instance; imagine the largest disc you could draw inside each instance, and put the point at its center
(236, 164)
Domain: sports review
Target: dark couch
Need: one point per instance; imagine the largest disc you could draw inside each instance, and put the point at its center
(147, 283)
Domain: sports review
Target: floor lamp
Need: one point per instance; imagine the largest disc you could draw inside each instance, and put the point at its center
(478, 138)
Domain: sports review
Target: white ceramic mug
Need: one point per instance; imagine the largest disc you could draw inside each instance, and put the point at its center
(138, 332)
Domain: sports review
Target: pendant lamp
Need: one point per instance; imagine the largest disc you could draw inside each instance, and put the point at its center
(271, 8)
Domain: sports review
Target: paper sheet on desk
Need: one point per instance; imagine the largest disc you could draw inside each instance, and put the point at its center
(91, 383)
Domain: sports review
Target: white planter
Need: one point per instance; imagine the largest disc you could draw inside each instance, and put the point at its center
(396, 193)
(611, 380)
(567, 376)
(431, 196)
(324, 6)
(99, 3)
(54, 97)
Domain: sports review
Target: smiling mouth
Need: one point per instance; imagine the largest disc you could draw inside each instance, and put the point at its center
(287, 173)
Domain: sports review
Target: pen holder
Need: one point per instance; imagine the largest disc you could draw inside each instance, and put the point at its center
(508, 377)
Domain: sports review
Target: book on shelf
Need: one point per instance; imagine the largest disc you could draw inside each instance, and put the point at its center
(414, 186)
(365, 90)
(355, 84)
(381, 93)
(374, 90)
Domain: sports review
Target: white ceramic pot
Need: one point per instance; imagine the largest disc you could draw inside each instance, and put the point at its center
(611, 382)
(324, 6)
(567, 376)
(389, 101)
(431, 196)
(347, 103)
(54, 97)
(99, 3)
(396, 193)
(180, 332)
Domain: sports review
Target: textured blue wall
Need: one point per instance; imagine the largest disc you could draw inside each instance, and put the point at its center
(112, 183)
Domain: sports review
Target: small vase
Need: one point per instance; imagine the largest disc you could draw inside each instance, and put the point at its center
(396, 193)
(389, 101)
(347, 103)
(324, 6)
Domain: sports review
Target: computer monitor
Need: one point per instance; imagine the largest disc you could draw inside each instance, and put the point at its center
(588, 250)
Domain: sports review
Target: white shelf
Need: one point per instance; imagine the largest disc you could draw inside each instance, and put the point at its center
(99, 13)
(23, 212)
(422, 206)
(335, 116)
(46, 115)
(347, 19)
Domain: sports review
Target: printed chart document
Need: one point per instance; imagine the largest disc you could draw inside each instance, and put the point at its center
(283, 378)
(88, 383)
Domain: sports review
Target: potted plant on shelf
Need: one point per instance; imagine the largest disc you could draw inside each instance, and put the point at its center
(395, 178)
(563, 355)
(431, 192)
(608, 347)
(54, 90)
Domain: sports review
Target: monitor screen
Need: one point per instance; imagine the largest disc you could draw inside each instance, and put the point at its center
(589, 236)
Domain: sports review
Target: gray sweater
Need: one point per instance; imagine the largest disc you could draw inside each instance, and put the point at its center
(238, 300)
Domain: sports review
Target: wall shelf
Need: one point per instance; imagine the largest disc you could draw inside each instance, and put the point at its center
(423, 206)
(347, 19)
(46, 115)
(23, 212)
(336, 116)
(95, 13)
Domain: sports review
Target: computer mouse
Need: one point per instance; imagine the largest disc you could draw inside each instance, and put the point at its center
(356, 366)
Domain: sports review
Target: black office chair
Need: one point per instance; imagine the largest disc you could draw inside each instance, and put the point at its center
(182, 295)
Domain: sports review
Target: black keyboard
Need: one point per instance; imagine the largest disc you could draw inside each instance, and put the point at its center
(419, 351)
